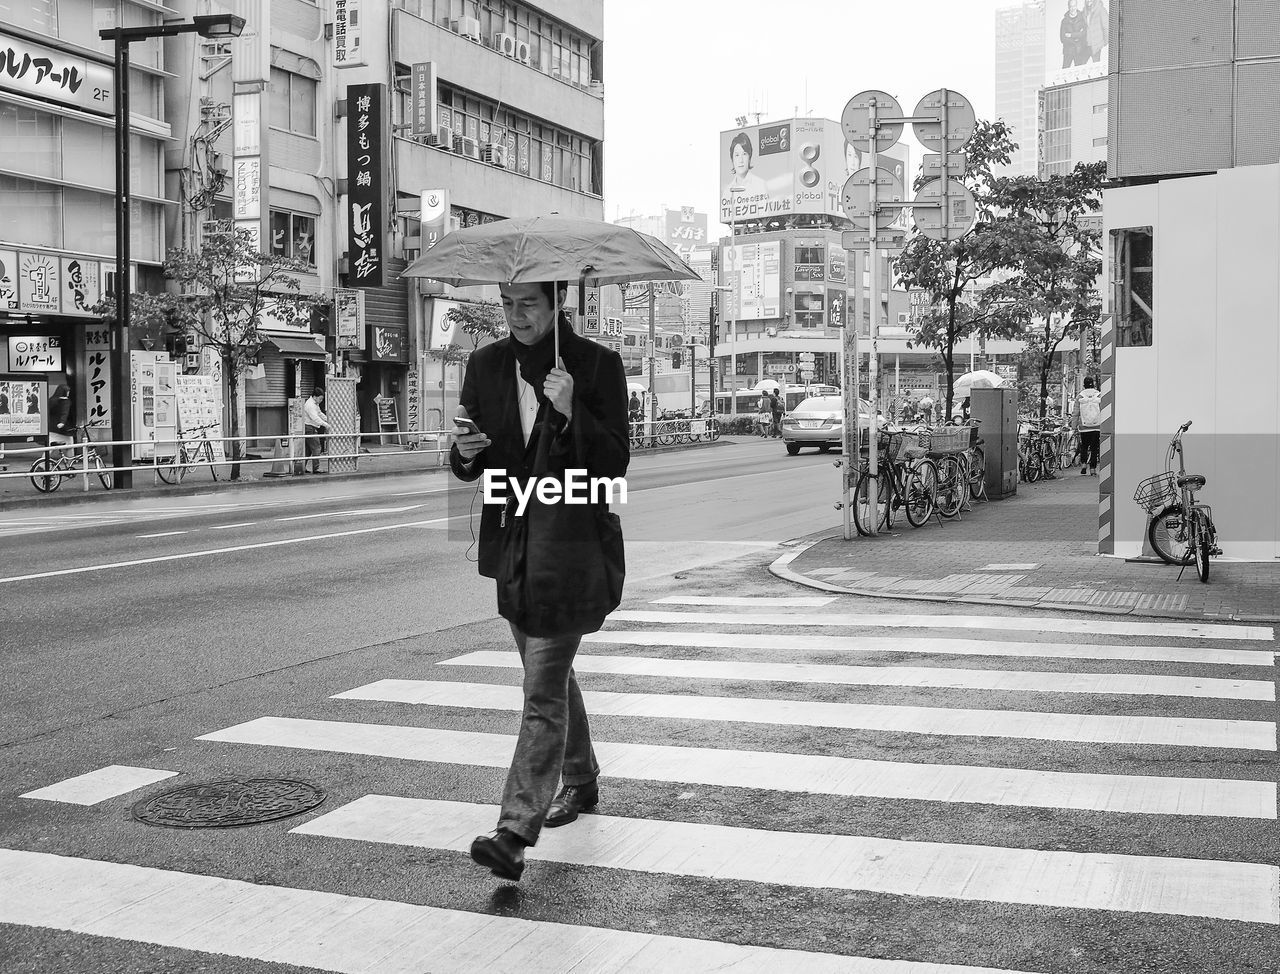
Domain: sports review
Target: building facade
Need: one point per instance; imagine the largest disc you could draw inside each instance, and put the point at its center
(57, 200)
(1072, 126)
(1193, 241)
(1019, 74)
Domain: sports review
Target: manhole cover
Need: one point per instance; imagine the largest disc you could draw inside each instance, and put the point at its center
(226, 804)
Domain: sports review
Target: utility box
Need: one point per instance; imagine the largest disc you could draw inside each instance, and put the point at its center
(997, 411)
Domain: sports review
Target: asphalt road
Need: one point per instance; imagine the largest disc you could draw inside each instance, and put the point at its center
(996, 797)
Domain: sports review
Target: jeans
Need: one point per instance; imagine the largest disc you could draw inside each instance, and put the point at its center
(554, 741)
(1089, 447)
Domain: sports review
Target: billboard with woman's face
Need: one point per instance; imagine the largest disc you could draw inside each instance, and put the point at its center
(1075, 38)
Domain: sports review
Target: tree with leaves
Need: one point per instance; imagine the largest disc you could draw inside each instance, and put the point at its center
(480, 321)
(950, 272)
(225, 289)
(1053, 258)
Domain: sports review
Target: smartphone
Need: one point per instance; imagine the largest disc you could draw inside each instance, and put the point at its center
(466, 425)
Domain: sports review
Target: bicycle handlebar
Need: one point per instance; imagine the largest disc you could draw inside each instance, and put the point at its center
(1184, 427)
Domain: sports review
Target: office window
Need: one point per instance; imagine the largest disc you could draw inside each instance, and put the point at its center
(809, 309)
(293, 102)
(37, 15)
(1100, 142)
(30, 141)
(30, 212)
(294, 235)
(1133, 300)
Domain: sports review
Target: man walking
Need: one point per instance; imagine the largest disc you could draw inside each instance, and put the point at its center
(514, 393)
(314, 423)
(1089, 422)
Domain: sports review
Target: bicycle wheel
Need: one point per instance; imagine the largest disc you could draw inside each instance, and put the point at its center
(869, 501)
(1202, 554)
(167, 472)
(95, 464)
(978, 473)
(1049, 457)
(1035, 466)
(1167, 537)
(922, 488)
(1070, 450)
(666, 438)
(950, 486)
(713, 430)
(45, 475)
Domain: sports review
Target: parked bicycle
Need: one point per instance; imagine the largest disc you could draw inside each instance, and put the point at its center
(947, 448)
(1181, 529)
(192, 451)
(48, 474)
(906, 480)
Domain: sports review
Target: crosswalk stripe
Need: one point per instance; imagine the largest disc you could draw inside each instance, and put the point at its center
(1140, 684)
(1072, 880)
(765, 770)
(1141, 794)
(1032, 725)
(1083, 626)
(360, 935)
(794, 601)
(941, 646)
(97, 786)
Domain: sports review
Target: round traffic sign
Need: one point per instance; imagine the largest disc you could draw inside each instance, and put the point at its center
(856, 197)
(856, 120)
(951, 220)
(961, 120)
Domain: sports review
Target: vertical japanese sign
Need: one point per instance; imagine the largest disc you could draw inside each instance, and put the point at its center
(364, 184)
(80, 286)
(434, 216)
(347, 49)
(97, 347)
(423, 99)
(836, 307)
(247, 171)
(591, 318)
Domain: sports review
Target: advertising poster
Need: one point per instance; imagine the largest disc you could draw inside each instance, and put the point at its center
(200, 405)
(1075, 37)
(80, 286)
(365, 228)
(97, 347)
(685, 231)
(24, 409)
(755, 272)
(35, 353)
(8, 280)
(38, 283)
(349, 315)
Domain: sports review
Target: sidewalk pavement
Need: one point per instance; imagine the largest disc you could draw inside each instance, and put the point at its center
(1036, 549)
(376, 460)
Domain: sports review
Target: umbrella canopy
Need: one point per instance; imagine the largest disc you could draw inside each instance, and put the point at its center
(767, 385)
(637, 387)
(982, 379)
(549, 248)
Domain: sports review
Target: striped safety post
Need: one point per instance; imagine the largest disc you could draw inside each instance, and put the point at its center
(1106, 448)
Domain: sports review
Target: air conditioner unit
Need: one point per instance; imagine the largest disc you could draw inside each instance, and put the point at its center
(442, 138)
(904, 318)
(469, 27)
(495, 154)
(523, 53)
(505, 44)
(467, 147)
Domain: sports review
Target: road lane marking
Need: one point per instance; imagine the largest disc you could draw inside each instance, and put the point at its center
(1136, 794)
(367, 510)
(718, 767)
(228, 527)
(163, 534)
(928, 645)
(942, 678)
(794, 601)
(1217, 889)
(97, 786)
(182, 556)
(1019, 623)
(358, 935)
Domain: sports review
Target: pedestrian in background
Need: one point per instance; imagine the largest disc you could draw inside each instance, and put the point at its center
(61, 415)
(775, 411)
(1089, 423)
(315, 422)
(514, 394)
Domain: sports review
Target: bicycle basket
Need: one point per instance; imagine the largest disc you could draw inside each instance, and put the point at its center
(949, 439)
(1156, 493)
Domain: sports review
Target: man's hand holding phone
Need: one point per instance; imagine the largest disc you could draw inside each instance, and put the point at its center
(468, 438)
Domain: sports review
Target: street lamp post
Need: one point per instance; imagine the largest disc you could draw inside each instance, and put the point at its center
(209, 25)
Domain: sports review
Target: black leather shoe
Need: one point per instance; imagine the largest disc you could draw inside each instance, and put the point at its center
(572, 800)
(502, 852)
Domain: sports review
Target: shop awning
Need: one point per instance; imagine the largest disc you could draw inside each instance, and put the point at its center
(297, 348)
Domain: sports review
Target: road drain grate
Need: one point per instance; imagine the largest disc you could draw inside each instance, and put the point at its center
(228, 803)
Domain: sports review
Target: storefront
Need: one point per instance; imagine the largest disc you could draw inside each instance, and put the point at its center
(49, 338)
(290, 365)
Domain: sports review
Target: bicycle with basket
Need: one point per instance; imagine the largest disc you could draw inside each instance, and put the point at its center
(1181, 530)
(948, 447)
(906, 480)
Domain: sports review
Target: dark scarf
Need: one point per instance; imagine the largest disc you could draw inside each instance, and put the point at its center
(538, 359)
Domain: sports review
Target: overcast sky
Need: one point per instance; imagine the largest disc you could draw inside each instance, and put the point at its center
(677, 72)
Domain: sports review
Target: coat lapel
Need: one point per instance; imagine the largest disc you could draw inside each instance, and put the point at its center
(508, 407)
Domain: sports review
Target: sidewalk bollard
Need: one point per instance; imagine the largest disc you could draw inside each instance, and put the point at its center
(280, 459)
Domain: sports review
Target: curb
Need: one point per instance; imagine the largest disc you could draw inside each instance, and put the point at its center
(221, 486)
(780, 568)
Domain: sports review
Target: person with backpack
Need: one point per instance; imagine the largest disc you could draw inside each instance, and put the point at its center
(1089, 422)
(775, 411)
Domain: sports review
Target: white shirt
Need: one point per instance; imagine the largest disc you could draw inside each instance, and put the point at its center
(311, 414)
(527, 401)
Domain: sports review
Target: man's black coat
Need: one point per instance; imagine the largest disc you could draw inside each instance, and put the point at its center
(596, 439)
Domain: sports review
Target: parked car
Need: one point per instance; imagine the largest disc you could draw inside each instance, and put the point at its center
(819, 421)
